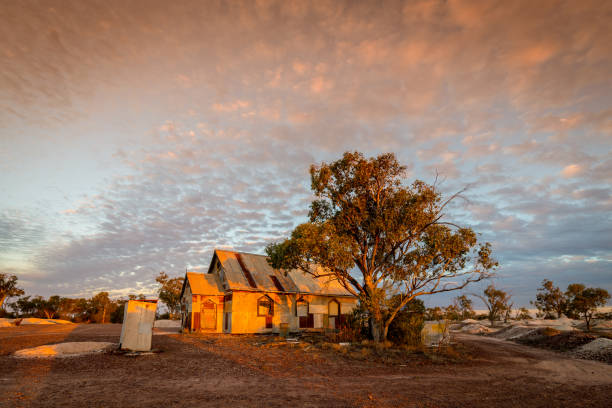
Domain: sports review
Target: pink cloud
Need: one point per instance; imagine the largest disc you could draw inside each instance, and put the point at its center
(232, 106)
(572, 170)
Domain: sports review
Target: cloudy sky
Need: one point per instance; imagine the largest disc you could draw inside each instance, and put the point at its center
(136, 136)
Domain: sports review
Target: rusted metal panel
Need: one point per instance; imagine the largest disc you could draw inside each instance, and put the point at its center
(204, 284)
(246, 271)
(277, 283)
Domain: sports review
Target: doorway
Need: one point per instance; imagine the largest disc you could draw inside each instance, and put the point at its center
(208, 315)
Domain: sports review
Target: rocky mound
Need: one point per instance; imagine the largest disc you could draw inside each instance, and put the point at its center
(598, 349)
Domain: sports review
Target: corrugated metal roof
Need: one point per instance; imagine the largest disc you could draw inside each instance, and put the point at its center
(204, 284)
(295, 281)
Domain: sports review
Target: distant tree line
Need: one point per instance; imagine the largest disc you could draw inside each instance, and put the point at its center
(577, 302)
(100, 308)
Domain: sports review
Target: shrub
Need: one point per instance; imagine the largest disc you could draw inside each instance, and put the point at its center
(522, 314)
(407, 326)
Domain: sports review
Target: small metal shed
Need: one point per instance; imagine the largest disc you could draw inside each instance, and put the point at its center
(137, 328)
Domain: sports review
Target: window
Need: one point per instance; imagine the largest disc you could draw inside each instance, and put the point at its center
(334, 308)
(265, 306)
(277, 283)
(301, 309)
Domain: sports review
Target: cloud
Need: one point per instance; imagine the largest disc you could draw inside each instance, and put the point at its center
(231, 107)
(571, 170)
(202, 119)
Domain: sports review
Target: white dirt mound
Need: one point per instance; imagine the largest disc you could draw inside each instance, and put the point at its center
(598, 349)
(563, 324)
(167, 323)
(31, 320)
(475, 328)
(64, 349)
(469, 321)
(6, 322)
(600, 324)
(34, 320)
(597, 345)
(514, 332)
(563, 321)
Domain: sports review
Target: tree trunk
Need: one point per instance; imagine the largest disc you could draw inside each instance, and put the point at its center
(588, 322)
(378, 329)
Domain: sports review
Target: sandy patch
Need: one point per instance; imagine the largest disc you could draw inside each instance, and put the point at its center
(6, 322)
(69, 349)
(167, 323)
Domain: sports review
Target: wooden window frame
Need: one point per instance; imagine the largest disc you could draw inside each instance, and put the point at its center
(271, 309)
(307, 306)
(339, 309)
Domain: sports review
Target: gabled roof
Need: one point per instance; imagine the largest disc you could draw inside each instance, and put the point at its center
(204, 284)
(244, 271)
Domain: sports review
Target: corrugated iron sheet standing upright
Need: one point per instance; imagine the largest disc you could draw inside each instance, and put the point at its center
(137, 328)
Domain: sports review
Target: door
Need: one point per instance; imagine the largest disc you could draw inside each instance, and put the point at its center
(269, 324)
(208, 315)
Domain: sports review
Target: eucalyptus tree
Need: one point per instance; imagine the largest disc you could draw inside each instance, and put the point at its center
(8, 287)
(380, 237)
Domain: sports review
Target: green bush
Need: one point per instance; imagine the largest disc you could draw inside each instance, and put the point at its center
(407, 326)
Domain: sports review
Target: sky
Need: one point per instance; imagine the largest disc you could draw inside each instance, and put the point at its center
(137, 136)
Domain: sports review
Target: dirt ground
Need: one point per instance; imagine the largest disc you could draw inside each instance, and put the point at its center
(247, 371)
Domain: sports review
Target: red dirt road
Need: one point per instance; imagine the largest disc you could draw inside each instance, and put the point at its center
(239, 371)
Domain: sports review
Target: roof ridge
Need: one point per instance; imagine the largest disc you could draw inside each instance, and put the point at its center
(239, 252)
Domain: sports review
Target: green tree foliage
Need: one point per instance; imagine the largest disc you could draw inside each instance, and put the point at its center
(497, 302)
(434, 313)
(465, 305)
(170, 293)
(550, 299)
(523, 314)
(407, 326)
(452, 312)
(8, 288)
(378, 236)
(97, 309)
(101, 307)
(583, 302)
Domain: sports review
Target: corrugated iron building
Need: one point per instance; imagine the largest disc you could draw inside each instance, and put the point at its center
(242, 293)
